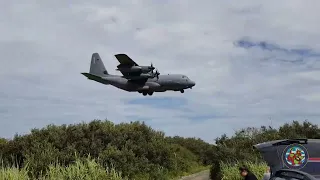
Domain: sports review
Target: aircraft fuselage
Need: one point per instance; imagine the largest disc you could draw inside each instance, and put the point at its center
(170, 82)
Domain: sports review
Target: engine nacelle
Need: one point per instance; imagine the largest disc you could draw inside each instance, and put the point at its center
(146, 75)
(142, 69)
(130, 69)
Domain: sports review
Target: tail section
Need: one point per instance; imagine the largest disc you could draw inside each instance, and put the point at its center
(97, 67)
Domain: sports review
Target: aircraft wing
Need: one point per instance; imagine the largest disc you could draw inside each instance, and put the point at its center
(133, 75)
(125, 60)
(136, 78)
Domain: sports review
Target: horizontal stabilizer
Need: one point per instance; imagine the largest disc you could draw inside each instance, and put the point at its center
(91, 76)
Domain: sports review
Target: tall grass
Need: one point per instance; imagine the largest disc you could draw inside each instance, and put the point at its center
(231, 171)
(80, 170)
(87, 169)
(13, 173)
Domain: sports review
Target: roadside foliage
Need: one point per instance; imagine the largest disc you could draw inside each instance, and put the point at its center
(104, 150)
(100, 150)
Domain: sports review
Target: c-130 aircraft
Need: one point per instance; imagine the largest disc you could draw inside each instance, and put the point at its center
(136, 78)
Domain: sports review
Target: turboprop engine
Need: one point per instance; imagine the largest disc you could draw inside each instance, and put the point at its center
(141, 69)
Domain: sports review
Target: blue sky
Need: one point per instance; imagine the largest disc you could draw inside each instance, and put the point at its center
(254, 62)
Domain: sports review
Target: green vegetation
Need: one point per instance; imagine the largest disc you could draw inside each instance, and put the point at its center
(87, 170)
(134, 150)
(104, 150)
(231, 171)
(230, 152)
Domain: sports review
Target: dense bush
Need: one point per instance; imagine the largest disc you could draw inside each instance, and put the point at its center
(203, 150)
(231, 171)
(134, 149)
(238, 148)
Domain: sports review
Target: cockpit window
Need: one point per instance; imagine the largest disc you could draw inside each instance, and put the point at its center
(185, 77)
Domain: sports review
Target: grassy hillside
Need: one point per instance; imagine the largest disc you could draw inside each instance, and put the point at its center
(104, 150)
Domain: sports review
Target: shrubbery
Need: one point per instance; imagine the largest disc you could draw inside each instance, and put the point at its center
(231, 171)
(132, 149)
(102, 149)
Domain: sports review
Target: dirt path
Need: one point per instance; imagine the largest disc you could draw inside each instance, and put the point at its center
(204, 175)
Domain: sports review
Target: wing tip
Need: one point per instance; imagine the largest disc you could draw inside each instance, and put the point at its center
(125, 59)
(120, 54)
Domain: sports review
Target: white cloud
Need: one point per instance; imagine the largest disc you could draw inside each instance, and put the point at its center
(44, 48)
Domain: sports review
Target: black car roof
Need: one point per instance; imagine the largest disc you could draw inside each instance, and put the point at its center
(272, 143)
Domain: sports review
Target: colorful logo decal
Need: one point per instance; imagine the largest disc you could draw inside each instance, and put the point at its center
(295, 156)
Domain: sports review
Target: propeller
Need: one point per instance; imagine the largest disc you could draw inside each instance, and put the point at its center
(152, 68)
(157, 74)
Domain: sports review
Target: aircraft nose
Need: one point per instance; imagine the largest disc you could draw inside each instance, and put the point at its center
(192, 83)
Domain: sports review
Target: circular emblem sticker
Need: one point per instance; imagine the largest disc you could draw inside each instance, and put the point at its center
(295, 156)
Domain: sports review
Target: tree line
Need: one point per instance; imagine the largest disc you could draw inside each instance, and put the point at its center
(134, 149)
(138, 151)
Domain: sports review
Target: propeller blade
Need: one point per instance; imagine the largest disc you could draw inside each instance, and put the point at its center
(151, 67)
(157, 74)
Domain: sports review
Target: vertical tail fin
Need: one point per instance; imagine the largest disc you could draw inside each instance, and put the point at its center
(97, 67)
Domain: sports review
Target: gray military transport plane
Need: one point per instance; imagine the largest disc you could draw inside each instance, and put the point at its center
(136, 78)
